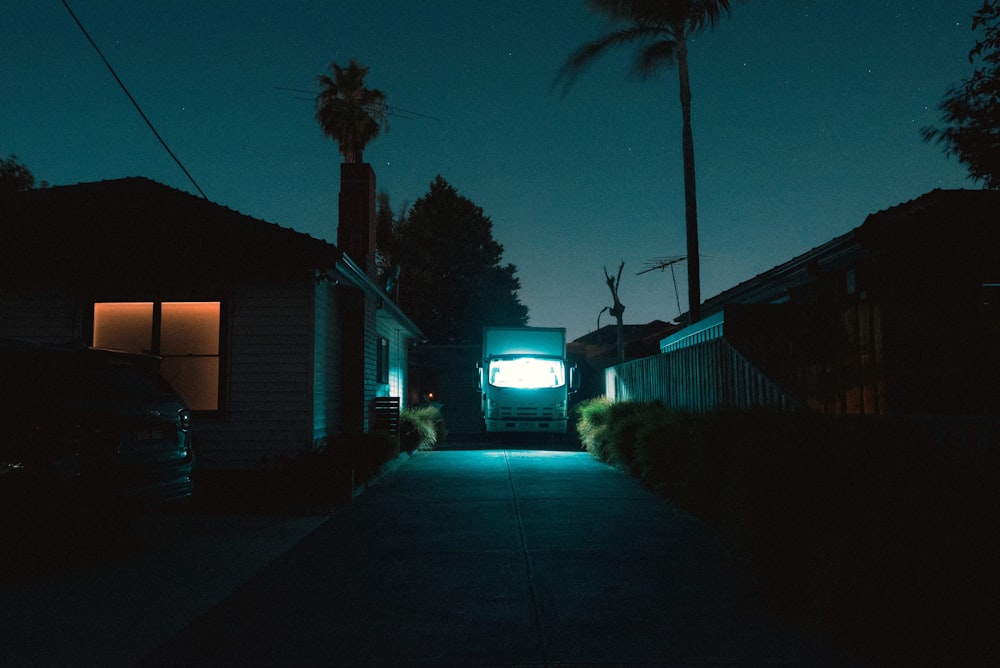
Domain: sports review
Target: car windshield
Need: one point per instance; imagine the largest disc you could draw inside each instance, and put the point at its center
(74, 376)
(117, 378)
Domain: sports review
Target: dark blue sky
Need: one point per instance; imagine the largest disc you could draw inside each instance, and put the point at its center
(807, 117)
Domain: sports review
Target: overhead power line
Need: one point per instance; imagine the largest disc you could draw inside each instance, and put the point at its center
(132, 99)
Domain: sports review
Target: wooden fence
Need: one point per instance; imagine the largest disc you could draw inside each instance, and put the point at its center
(701, 377)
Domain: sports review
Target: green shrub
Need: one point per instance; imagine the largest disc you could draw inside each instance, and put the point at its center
(421, 428)
(861, 528)
(591, 426)
(666, 445)
(626, 421)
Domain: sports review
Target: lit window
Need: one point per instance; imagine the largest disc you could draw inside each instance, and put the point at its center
(124, 326)
(184, 334)
(382, 361)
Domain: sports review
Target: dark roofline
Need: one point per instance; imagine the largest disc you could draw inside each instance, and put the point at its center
(640, 330)
(251, 245)
(775, 281)
(360, 279)
(138, 213)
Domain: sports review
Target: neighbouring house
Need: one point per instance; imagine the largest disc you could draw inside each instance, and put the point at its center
(898, 316)
(277, 340)
(447, 374)
(596, 351)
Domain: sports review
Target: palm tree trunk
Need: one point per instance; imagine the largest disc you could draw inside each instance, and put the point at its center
(690, 199)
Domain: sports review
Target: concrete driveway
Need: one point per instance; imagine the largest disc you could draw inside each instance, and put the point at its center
(492, 558)
(112, 604)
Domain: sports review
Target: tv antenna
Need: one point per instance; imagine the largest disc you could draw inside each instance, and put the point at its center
(661, 263)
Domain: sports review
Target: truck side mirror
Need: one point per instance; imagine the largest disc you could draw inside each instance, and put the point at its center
(574, 378)
(479, 379)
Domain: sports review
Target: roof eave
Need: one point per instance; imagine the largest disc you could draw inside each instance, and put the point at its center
(354, 275)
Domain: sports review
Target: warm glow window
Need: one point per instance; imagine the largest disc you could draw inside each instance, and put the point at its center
(185, 335)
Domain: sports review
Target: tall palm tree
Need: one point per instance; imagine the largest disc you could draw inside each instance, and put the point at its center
(348, 112)
(661, 29)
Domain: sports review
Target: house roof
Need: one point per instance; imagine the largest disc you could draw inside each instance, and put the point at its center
(598, 349)
(609, 333)
(937, 210)
(146, 235)
(145, 228)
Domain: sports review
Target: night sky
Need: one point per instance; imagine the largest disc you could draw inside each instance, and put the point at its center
(806, 115)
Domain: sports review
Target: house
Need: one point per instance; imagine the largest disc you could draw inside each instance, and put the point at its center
(276, 340)
(596, 351)
(899, 316)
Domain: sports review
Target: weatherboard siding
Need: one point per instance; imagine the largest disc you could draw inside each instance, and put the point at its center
(40, 314)
(268, 398)
(326, 363)
(371, 383)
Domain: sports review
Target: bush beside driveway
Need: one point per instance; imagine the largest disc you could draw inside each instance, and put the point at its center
(866, 530)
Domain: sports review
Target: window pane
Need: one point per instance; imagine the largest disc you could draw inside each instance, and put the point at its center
(189, 328)
(382, 361)
(124, 326)
(196, 379)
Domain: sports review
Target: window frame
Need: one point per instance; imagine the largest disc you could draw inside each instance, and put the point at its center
(382, 354)
(156, 339)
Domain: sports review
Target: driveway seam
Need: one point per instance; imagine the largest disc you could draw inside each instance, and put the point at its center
(536, 610)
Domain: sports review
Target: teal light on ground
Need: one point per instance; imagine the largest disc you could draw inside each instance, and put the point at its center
(531, 454)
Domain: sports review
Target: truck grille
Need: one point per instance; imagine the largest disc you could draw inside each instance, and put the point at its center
(527, 413)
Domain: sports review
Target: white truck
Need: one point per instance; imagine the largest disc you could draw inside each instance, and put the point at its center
(525, 380)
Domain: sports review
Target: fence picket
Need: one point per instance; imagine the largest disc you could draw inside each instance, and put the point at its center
(701, 377)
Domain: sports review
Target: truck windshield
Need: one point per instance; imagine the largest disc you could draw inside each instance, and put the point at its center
(527, 372)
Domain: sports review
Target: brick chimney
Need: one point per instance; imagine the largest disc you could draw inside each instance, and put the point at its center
(356, 228)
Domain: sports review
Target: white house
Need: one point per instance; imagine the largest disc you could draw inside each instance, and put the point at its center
(277, 340)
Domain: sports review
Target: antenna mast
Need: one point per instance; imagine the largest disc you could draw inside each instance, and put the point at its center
(662, 263)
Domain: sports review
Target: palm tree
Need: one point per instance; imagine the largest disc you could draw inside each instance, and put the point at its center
(661, 28)
(348, 112)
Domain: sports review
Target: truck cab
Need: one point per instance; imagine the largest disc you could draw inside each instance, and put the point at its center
(525, 381)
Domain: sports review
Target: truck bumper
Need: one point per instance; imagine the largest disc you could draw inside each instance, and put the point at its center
(545, 426)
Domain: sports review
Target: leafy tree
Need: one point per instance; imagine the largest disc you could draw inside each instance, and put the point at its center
(384, 222)
(15, 177)
(385, 229)
(972, 108)
(661, 29)
(450, 278)
(349, 112)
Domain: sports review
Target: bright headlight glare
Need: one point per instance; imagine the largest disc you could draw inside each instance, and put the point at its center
(527, 373)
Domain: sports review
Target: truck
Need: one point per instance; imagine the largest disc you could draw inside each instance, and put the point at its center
(525, 380)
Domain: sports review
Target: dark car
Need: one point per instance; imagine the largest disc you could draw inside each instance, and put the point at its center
(83, 428)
